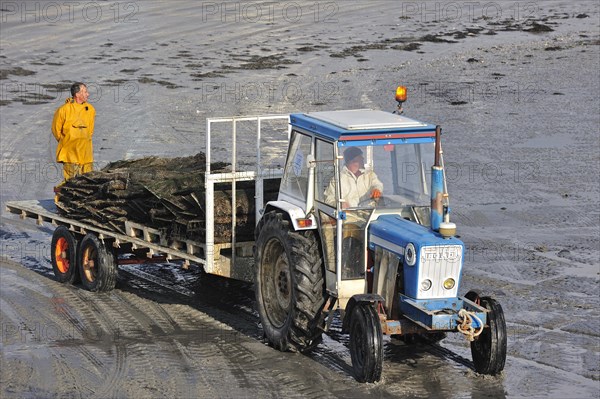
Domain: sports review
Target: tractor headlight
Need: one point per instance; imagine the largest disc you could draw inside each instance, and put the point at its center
(425, 285)
(449, 283)
(410, 254)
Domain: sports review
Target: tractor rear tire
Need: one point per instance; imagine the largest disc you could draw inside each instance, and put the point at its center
(489, 349)
(366, 343)
(64, 256)
(97, 265)
(289, 284)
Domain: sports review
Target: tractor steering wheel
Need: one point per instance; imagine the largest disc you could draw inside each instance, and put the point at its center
(372, 202)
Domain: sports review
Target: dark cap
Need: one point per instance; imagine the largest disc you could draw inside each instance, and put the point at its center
(350, 153)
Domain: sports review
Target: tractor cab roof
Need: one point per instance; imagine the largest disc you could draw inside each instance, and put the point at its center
(361, 124)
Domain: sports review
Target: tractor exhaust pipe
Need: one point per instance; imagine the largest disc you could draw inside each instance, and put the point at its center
(437, 184)
(440, 217)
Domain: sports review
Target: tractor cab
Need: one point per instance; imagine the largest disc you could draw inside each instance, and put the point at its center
(366, 164)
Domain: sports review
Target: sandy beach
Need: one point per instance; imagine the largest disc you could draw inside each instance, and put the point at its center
(513, 84)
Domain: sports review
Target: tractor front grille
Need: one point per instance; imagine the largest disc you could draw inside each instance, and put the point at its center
(438, 263)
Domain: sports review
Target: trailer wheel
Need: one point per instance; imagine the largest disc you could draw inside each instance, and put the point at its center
(64, 255)
(489, 349)
(97, 265)
(366, 346)
(289, 284)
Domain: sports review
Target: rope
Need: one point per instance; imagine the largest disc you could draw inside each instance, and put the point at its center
(466, 324)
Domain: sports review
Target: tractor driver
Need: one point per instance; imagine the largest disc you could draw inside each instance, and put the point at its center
(357, 184)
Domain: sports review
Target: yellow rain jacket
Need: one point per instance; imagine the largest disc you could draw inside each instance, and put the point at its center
(73, 127)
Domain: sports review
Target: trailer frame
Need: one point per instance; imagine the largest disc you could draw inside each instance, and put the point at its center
(215, 258)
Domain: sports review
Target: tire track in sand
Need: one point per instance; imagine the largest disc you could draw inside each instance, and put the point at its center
(34, 332)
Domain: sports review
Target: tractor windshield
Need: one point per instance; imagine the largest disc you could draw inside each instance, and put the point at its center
(391, 176)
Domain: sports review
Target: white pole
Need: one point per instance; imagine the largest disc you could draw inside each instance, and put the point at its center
(233, 193)
(259, 184)
(209, 204)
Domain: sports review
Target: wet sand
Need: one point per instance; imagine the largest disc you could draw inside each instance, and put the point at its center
(513, 86)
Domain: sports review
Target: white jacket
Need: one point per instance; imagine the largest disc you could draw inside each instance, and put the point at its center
(354, 189)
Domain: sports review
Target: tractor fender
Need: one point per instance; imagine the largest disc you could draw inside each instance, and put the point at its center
(374, 299)
(293, 213)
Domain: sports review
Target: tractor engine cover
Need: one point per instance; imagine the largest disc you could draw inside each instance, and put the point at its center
(431, 265)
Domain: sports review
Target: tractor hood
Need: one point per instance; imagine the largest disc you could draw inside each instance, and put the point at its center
(393, 233)
(426, 258)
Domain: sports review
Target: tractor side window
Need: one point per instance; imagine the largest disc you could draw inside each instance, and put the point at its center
(295, 178)
(324, 173)
(414, 171)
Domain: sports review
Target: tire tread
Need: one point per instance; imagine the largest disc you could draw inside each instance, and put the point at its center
(493, 362)
(106, 277)
(308, 282)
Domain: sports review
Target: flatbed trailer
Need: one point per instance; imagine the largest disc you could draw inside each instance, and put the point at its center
(154, 245)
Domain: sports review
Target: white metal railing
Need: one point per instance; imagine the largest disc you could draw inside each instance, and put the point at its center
(258, 175)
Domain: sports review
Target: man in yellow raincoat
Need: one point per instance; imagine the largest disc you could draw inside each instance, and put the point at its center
(73, 127)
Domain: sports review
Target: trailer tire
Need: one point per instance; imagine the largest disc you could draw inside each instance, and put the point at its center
(489, 349)
(63, 255)
(366, 343)
(97, 265)
(289, 284)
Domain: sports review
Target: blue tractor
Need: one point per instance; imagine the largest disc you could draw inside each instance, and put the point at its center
(361, 225)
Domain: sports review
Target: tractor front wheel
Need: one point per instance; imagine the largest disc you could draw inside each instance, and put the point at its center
(366, 343)
(489, 349)
(97, 265)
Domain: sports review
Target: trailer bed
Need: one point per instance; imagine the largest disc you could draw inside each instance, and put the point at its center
(146, 239)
